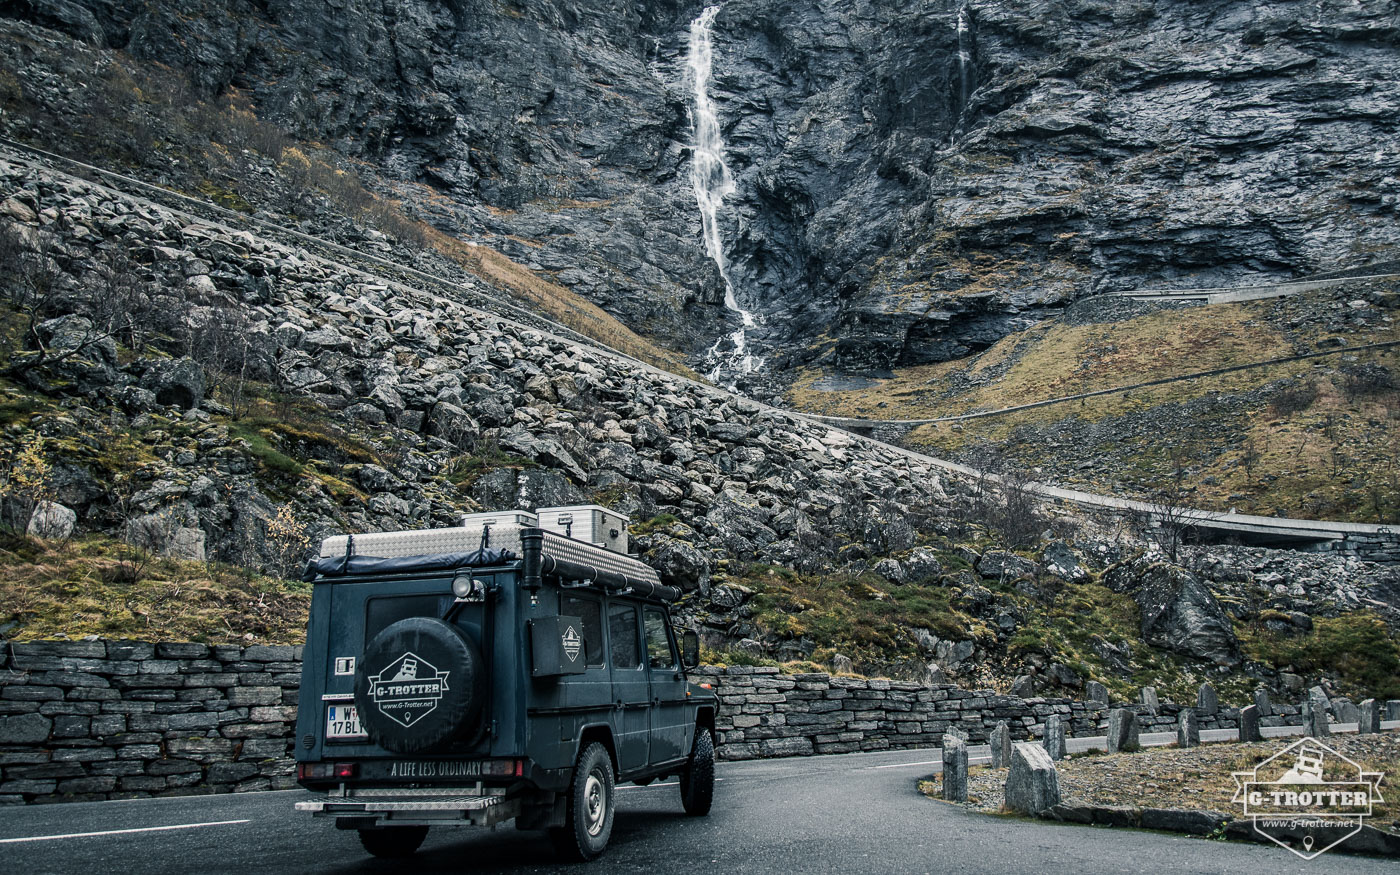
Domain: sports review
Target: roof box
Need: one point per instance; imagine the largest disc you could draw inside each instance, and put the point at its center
(590, 523)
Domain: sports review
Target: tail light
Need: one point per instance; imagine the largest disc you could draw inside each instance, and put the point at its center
(503, 768)
(315, 771)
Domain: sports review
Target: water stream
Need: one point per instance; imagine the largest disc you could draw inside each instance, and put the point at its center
(730, 357)
(967, 70)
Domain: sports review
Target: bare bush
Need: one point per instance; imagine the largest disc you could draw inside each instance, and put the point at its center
(1364, 380)
(1293, 398)
(220, 339)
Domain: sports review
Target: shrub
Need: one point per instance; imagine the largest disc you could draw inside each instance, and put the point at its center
(1293, 398)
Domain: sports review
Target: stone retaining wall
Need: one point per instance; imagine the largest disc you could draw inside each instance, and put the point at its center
(120, 719)
(765, 714)
(87, 720)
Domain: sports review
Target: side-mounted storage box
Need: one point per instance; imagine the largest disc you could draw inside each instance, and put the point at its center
(556, 646)
(590, 523)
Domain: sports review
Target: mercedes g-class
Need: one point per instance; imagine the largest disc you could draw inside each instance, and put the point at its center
(517, 666)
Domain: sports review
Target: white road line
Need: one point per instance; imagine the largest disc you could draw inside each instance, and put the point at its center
(117, 832)
(910, 765)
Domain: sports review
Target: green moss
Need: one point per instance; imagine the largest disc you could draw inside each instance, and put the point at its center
(1356, 649)
(464, 470)
(225, 197)
(660, 521)
(261, 448)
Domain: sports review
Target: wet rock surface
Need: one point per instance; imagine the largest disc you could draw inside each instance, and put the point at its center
(921, 204)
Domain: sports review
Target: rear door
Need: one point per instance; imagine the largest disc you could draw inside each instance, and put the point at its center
(670, 731)
(631, 689)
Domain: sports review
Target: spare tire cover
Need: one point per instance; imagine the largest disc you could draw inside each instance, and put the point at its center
(419, 686)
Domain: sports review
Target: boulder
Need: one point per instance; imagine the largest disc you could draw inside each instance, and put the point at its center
(52, 521)
(1148, 697)
(954, 769)
(1207, 703)
(1179, 612)
(1023, 686)
(1032, 786)
(1261, 701)
(892, 570)
(1060, 561)
(1188, 729)
(1001, 565)
(1315, 721)
(1096, 692)
(1249, 724)
(678, 563)
(921, 565)
(1368, 717)
(1054, 740)
(1000, 743)
(176, 382)
(1122, 731)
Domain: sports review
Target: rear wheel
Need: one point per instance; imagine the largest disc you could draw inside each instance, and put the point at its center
(589, 821)
(698, 779)
(393, 842)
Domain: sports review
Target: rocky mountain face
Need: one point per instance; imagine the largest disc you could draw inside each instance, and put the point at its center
(911, 182)
(269, 394)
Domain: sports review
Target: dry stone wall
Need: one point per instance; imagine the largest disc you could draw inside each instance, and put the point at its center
(84, 720)
(766, 714)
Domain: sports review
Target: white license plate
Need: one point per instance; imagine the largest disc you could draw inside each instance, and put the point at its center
(343, 721)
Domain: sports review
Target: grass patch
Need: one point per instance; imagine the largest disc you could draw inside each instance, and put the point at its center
(76, 589)
(1356, 649)
(865, 617)
(464, 470)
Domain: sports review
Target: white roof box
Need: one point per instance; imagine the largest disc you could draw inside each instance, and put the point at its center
(590, 523)
(521, 519)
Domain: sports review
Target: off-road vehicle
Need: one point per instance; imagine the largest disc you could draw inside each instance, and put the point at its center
(518, 666)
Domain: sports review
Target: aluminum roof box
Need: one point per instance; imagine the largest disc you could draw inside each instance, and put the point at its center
(522, 519)
(590, 523)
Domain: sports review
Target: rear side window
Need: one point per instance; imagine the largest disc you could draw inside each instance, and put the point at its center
(659, 652)
(592, 615)
(622, 635)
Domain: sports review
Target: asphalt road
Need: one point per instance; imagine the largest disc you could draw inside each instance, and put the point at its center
(851, 814)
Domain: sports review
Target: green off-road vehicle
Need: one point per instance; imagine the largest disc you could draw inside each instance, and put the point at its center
(518, 666)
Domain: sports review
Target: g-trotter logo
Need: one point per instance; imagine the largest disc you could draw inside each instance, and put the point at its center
(571, 643)
(1308, 797)
(408, 689)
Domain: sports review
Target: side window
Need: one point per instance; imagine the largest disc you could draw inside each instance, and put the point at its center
(592, 615)
(659, 652)
(622, 634)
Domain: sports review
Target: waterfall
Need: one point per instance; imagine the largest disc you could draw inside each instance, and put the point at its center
(967, 70)
(710, 176)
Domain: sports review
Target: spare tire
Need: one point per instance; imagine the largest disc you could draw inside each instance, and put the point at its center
(419, 686)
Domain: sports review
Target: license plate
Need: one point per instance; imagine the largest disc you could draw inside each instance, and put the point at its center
(343, 722)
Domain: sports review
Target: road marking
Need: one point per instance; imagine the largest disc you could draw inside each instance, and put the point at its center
(910, 765)
(117, 832)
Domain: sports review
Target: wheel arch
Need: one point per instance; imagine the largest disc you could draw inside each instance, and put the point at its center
(601, 733)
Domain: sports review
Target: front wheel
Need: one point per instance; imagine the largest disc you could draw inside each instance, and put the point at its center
(698, 779)
(393, 842)
(589, 821)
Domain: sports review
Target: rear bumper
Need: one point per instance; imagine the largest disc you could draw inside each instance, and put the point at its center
(413, 807)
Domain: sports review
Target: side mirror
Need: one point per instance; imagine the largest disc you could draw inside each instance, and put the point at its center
(690, 648)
